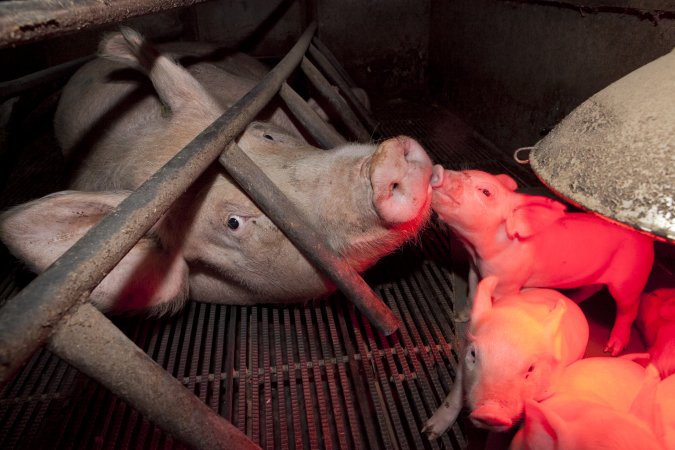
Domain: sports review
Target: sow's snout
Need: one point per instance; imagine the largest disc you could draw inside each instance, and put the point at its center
(400, 174)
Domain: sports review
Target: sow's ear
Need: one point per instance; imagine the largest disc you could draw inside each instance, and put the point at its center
(532, 216)
(40, 231)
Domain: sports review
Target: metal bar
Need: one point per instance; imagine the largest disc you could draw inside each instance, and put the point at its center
(31, 20)
(324, 135)
(281, 392)
(370, 440)
(338, 408)
(30, 317)
(15, 87)
(336, 79)
(321, 400)
(306, 385)
(90, 342)
(308, 240)
(336, 101)
(333, 61)
(293, 381)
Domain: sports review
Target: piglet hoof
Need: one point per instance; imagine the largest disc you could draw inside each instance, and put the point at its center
(614, 346)
(432, 429)
(462, 316)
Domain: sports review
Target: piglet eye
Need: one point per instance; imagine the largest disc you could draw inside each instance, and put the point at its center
(233, 222)
(268, 137)
(486, 192)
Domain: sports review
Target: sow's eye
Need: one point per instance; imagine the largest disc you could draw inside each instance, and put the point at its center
(268, 136)
(234, 222)
(486, 192)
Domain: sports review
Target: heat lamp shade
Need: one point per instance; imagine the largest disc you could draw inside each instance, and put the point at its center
(615, 153)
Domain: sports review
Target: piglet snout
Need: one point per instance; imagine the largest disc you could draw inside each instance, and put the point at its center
(492, 417)
(400, 174)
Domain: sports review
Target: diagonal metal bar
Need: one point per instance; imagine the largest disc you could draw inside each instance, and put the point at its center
(93, 344)
(28, 319)
(306, 238)
(336, 101)
(324, 135)
(335, 78)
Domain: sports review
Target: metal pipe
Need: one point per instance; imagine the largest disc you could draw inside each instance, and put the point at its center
(336, 101)
(335, 78)
(28, 319)
(89, 341)
(334, 62)
(32, 20)
(324, 135)
(308, 240)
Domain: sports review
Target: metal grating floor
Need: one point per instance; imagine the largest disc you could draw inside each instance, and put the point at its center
(310, 376)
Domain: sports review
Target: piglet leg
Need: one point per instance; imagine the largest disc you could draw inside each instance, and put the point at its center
(447, 413)
(626, 312)
(464, 314)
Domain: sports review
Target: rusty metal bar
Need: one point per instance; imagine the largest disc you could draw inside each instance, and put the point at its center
(31, 20)
(335, 78)
(15, 87)
(324, 135)
(336, 101)
(28, 319)
(90, 342)
(308, 240)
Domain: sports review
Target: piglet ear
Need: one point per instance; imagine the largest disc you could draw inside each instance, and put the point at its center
(541, 428)
(552, 328)
(532, 216)
(506, 181)
(39, 232)
(482, 301)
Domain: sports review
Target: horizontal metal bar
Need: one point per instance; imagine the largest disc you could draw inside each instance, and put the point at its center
(93, 344)
(334, 77)
(308, 240)
(336, 101)
(29, 318)
(31, 20)
(324, 135)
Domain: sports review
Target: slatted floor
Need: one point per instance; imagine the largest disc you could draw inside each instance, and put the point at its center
(311, 376)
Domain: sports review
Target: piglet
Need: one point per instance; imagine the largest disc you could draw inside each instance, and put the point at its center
(568, 423)
(590, 407)
(656, 320)
(516, 349)
(531, 241)
(655, 405)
